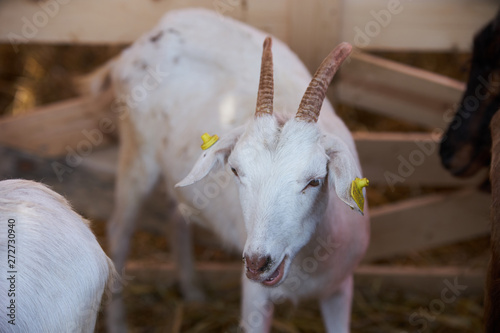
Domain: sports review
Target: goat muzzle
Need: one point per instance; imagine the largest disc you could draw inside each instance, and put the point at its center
(256, 265)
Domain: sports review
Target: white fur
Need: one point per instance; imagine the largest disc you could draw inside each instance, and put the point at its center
(61, 271)
(210, 69)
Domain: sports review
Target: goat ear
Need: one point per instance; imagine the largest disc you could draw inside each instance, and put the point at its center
(342, 170)
(212, 157)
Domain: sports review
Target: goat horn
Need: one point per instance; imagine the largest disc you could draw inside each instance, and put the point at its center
(310, 105)
(266, 83)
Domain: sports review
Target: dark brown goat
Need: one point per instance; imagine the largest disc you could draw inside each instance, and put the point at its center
(469, 145)
(466, 145)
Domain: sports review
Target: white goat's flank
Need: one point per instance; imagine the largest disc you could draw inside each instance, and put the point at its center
(207, 75)
(61, 269)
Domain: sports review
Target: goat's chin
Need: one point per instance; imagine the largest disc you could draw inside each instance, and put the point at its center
(466, 162)
(277, 276)
(471, 168)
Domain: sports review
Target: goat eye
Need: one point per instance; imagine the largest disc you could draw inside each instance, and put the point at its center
(234, 171)
(314, 183)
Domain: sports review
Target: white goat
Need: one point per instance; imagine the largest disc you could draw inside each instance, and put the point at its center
(53, 270)
(197, 72)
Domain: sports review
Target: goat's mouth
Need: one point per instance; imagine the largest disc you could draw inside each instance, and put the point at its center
(276, 276)
(464, 161)
(473, 166)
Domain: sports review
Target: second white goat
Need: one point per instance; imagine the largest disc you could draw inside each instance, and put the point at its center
(54, 271)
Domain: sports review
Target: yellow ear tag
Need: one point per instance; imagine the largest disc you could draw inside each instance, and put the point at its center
(357, 191)
(208, 140)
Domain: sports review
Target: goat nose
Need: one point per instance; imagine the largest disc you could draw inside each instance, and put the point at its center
(256, 265)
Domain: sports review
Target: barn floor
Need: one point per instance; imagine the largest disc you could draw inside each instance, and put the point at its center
(158, 307)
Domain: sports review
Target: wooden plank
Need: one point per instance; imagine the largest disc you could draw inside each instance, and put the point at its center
(78, 21)
(399, 91)
(438, 25)
(103, 22)
(429, 281)
(431, 25)
(56, 129)
(426, 222)
(424, 280)
(313, 40)
(394, 159)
